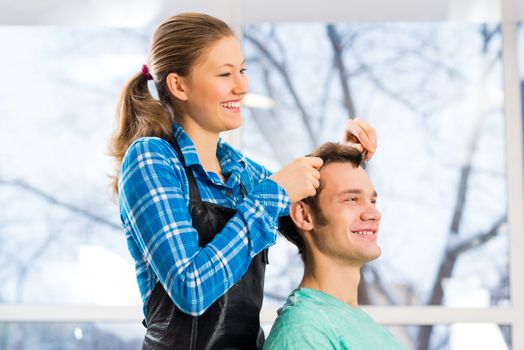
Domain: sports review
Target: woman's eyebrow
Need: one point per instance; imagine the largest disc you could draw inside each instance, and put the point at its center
(231, 64)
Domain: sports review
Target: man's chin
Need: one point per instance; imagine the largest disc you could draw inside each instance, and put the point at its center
(375, 255)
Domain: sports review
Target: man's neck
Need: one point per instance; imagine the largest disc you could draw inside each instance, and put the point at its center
(334, 278)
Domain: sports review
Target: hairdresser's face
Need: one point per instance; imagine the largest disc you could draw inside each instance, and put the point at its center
(216, 86)
(348, 232)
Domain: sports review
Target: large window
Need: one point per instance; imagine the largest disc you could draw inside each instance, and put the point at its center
(434, 92)
(71, 336)
(61, 240)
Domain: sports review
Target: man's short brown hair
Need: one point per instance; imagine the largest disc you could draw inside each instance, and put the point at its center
(330, 152)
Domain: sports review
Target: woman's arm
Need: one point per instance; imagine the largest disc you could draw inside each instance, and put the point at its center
(154, 207)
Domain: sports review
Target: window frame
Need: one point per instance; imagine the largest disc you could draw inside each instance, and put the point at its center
(512, 315)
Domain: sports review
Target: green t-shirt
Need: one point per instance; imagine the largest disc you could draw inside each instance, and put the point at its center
(311, 319)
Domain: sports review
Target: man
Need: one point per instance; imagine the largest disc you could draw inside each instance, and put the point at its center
(336, 234)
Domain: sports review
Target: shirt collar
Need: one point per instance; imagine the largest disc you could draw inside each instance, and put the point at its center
(228, 157)
(186, 145)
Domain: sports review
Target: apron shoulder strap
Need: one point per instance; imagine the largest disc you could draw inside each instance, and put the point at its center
(194, 193)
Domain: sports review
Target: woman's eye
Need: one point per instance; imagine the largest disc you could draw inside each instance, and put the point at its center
(224, 74)
(243, 71)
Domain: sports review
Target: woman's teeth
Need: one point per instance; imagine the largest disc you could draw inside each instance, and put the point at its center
(231, 104)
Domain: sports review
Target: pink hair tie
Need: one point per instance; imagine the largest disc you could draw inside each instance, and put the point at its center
(145, 71)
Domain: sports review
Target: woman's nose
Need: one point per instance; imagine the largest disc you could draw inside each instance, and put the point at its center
(240, 87)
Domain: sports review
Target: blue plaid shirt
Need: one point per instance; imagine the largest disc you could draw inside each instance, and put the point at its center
(154, 198)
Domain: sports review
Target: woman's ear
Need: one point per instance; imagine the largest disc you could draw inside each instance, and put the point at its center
(177, 86)
(301, 216)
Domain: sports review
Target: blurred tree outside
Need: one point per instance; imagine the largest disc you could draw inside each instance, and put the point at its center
(433, 91)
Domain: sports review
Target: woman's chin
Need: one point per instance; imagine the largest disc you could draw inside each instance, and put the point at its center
(233, 123)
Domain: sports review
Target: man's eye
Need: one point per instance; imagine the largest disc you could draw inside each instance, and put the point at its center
(352, 199)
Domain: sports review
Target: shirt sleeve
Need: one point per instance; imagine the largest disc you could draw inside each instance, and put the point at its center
(155, 208)
(262, 174)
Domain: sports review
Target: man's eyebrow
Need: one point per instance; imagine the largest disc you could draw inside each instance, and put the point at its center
(356, 191)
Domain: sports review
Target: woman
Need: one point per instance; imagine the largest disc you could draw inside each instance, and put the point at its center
(198, 215)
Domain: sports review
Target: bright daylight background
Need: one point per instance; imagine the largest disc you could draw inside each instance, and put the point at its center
(433, 91)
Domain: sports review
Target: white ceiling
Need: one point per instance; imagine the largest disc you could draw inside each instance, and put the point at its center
(131, 13)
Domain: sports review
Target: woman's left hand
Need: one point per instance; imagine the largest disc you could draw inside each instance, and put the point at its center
(361, 135)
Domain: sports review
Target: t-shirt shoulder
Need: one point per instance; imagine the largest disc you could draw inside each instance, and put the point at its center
(301, 326)
(303, 317)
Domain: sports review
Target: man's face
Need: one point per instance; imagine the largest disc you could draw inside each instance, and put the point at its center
(347, 202)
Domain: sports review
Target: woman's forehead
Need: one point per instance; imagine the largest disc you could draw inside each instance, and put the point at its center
(223, 53)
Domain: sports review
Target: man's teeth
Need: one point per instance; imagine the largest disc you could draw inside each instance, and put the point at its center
(368, 233)
(231, 104)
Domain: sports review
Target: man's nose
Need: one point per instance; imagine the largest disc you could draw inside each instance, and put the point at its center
(371, 213)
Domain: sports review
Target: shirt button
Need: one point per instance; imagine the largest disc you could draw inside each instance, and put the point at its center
(228, 193)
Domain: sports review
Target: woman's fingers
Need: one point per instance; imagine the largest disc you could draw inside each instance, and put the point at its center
(300, 178)
(360, 132)
(315, 162)
(370, 132)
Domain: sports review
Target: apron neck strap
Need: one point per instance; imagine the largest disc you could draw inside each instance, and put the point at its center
(194, 193)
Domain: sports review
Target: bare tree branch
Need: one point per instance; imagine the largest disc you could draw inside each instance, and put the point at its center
(451, 255)
(270, 135)
(24, 185)
(23, 269)
(324, 99)
(446, 268)
(487, 35)
(306, 118)
(336, 43)
(382, 87)
(363, 292)
(477, 240)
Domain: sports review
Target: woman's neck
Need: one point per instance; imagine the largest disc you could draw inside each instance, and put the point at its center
(205, 143)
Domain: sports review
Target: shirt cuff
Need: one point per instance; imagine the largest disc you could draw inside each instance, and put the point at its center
(261, 209)
(273, 196)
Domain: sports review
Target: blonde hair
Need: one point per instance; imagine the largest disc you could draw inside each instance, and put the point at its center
(176, 46)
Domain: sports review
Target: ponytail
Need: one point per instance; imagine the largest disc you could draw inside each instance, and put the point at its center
(138, 115)
(176, 45)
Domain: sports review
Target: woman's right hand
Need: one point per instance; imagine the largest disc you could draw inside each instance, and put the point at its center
(300, 178)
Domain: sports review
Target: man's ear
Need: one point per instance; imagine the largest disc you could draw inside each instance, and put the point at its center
(301, 215)
(177, 86)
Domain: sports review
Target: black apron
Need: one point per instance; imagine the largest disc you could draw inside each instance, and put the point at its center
(232, 321)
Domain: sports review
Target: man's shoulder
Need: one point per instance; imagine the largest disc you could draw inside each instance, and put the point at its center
(297, 314)
(301, 323)
(307, 304)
